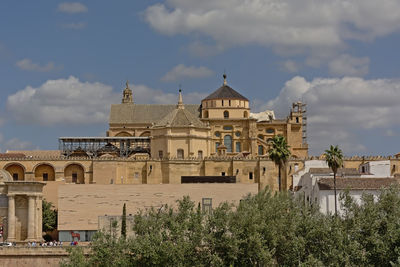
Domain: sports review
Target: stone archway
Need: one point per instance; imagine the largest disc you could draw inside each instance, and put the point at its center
(17, 171)
(74, 173)
(44, 172)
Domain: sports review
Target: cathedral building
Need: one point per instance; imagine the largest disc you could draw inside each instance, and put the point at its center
(221, 125)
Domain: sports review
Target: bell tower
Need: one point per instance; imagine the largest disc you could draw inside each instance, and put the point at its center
(127, 94)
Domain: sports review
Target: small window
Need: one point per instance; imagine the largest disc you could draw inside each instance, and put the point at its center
(226, 114)
(363, 169)
(15, 176)
(260, 150)
(250, 176)
(160, 154)
(206, 204)
(216, 146)
(74, 177)
(237, 134)
(228, 128)
(222, 102)
(229, 103)
(260, 136)
(180, 153)
(45, 176)
(245, 114)
(217, 134)
(297, 119)
(222, 173)
(200, 154)
(206, 114)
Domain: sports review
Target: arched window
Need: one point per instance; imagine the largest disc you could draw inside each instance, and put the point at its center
(200, 154)
(226, 114)
(206, 114)
(245, 114)
(180, 153)
(228, 143)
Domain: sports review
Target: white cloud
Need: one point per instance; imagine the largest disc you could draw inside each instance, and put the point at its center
(346, 65)
(181, 72)
(289, 66)
(72, 7)
(71, 101)
(338, 109)
(277, 23)
(64, 101)
(75, 25)
(145, 95)
(29, 65)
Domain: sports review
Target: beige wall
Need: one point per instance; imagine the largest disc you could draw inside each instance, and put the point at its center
(80, 206)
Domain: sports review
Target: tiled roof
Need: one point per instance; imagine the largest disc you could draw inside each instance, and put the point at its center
(225, 92)
(179, 118)
(356, 183)
(147, 114)
(12, 155)
(341, 171)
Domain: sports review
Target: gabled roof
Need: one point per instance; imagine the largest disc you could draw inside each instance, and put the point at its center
(356, 183)
(146, 114)
(225, 92)
(180, 118)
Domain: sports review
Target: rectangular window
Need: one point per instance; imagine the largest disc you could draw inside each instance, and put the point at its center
(74, 177)
(216, 146)
(250, 175)
(222, 102)
(223, 173)
(229, 103)
(180, 154)
(160, 154)
(45, 176)
(200, 154)
(238, 147)
(206, 204)
(15, 176)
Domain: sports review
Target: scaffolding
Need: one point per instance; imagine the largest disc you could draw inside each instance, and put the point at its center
(98, 146)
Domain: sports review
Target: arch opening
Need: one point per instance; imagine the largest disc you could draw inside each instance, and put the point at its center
(45, 172)
(16, 171)
(74, 173)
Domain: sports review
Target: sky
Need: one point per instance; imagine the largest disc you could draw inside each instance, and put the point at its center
(62, 64)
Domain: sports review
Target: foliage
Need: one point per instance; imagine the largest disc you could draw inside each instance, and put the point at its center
(123, 223)
(266, 229)
(49, 216)
(334, 158)
(279, 153)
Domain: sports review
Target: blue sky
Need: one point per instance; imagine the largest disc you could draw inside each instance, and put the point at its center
(63, 63)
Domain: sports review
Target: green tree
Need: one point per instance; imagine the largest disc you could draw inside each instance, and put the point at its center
(49, 216)
(279, 153)
(334, 158)
(123, 223)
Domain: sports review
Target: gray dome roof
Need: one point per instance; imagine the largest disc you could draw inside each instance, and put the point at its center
(225, 92)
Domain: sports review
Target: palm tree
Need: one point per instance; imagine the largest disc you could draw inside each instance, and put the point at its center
(334, 158)
(279, 153)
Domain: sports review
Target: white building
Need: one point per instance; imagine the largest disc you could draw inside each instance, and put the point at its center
(314, 183)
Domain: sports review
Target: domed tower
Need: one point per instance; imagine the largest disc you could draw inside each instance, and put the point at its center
(225, 103)
(227, 112)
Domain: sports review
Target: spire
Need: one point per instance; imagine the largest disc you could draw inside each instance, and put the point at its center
(180, 101)
(127, 94)
(224, 78)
